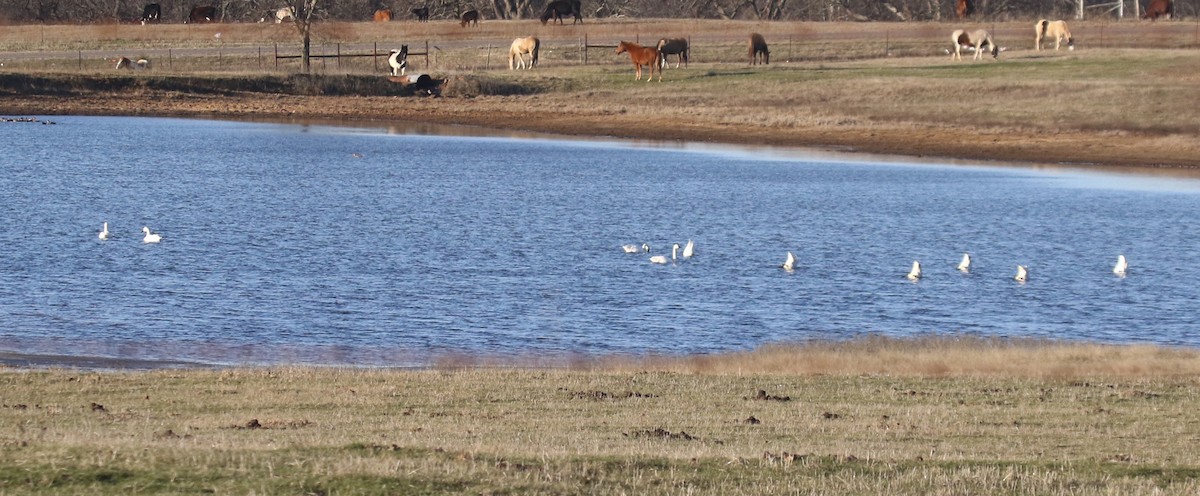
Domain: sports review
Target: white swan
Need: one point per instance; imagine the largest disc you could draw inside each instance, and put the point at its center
(662, 259)
(965, 264)
(632, 248)
(1022, 274)
(104, 232)
(689, 250)
(1119, 269)
(789, 264)
(915, 273)
(150, 238)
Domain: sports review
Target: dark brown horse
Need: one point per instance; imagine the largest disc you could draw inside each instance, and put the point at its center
(962, 8)
(674, 46)
(470, 17)
(642, 56)
(422, 14)
(758, 47)
(559, 8)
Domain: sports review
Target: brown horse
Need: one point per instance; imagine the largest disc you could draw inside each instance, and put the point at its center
(758, 47)
(962, 8)
(383, 15)
(1159, 8)
(642, 56)
(470, 17)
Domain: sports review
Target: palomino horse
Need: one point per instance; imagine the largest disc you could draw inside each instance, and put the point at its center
(559, 8)
(642, 56)
(976, 39)
(519, 48)
(674, 46)
(758, 48)
(1052, 29)
(470, 17)
(284, 14)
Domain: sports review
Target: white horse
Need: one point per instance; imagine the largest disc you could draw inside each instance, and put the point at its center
(285, 14)
(520, 47)
(1045, 30)
(398, 60)
(976, 39)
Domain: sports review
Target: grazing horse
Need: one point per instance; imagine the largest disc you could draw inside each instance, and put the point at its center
(758, 46)
(422, 14)
(383, 15)
(1052, 29)
(962, 8)
(642, 56)
(519, 48)
(398, 60)
(124, 63)
(674, 46)
(976, 39)
(152, 12)
(201, 14)
(470, 17)
(285, 13)
(1159, 8)
(558, 8)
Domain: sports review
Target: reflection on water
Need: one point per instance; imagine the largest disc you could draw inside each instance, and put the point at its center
(331, 245)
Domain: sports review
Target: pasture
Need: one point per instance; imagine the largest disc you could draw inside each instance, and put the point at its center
(1124, 97)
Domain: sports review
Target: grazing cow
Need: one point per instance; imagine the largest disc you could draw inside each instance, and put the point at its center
(422, 14)
(962, 8)
(1045, 30)
(201, 14)
(285, 14)
(674, 46)
(558, 8)
(758, 49)
(152, 12)
(470, 17)
(383, 15)
(976, 39)
(1159, 8)
(398, 60)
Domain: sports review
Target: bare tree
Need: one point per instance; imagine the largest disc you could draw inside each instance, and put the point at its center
(302, 18)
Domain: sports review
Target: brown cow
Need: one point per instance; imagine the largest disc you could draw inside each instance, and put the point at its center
(470, 17)
(1159, 8)
(962, 8)
(383, 15)
(758, 48)
(201, 14)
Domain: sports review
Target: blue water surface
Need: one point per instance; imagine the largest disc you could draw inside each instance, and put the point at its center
(330, 245)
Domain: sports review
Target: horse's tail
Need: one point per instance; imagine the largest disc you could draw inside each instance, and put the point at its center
(537, 46)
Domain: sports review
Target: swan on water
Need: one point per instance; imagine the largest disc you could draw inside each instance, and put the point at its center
(689, 250)
(662, 259)
(1022, 274)
(632, 248)
(1119, 269)
(104, 232)
(965, 264)
(150, 238)
(915, 273)
(790, 263)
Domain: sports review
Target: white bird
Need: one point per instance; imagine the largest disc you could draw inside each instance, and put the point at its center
(150, 238)
(1119, 269)
(789, 264)
(965, 264)
(689, 250)
(915, 273)
(1022, 274)
(104, 232)
(632, 248)
(662, 259)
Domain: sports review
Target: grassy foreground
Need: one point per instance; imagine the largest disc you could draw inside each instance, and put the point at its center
(633, 428)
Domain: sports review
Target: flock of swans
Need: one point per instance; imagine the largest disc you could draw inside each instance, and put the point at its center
(148, 238)
(789, 263)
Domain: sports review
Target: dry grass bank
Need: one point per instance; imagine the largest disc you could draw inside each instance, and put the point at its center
(324, 431)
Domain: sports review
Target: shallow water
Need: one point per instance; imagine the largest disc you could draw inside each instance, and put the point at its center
(349, 246)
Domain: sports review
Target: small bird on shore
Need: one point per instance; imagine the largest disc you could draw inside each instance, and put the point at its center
(1119, 269)
(103, 232)
(915, 273)
(150, 238)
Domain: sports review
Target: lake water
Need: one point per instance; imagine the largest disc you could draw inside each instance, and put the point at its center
(288, 244)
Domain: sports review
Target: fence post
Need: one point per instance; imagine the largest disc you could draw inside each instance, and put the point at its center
(339, 55)
(427, 65)
(585, 49)
(170, 60)
(277, 56)
(375, 57)
(487, 62)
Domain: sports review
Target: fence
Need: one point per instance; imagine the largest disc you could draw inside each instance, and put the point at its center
(338, 55)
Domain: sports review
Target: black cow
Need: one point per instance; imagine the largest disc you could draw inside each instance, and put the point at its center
(152, 12)
(202, 14)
